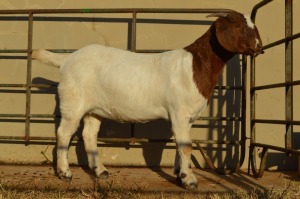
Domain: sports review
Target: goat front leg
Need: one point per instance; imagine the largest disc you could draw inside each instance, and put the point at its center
(181, 129)
(90, 134)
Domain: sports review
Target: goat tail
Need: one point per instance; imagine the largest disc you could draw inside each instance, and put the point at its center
(49, 58)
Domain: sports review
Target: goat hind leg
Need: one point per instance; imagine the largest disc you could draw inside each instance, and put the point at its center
(65, 131)
(90, 132)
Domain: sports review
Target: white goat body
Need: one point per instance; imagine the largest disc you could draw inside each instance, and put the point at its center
(125, 86)
(103, 82)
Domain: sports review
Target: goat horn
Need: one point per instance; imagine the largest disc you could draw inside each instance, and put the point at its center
(220, 14)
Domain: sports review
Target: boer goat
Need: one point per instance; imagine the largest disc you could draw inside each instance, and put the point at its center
(103, 82)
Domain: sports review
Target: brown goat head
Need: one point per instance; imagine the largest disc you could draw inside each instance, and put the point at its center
(237, 33)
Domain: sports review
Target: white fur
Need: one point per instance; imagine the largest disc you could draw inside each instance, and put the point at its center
(124, 86)
(256, 42)
(250, 24)
(102, 82)
(49, 58)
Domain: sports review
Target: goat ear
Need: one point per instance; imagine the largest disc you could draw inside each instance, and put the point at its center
(226, 34)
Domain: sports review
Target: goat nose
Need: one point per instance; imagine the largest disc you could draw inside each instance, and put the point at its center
(259, 47)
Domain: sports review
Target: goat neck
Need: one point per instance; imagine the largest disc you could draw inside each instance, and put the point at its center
(209, 59)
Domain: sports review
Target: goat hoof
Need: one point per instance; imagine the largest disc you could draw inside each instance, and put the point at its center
(192, 186)
(66, 178)
(103, 175)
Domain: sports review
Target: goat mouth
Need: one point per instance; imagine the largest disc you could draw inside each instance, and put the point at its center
(259, 52)
(255, 52)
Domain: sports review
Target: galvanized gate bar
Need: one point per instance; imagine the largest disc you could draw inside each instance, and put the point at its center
(244, 108)
(288, 85)
(28, 79)
(123, 140)
(266, 121)
(117, 10)
(257, 7)
(281, 41)
(289, 73)
(58, 116)
(211, 165)
(28, 117)
(278, 85)
(133, 37)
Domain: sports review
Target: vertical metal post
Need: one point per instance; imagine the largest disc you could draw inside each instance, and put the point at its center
(132, 132)
(133, 38)
(252, 112)
(289, 72)
(28, 78)
(243, 111)
(133, 49)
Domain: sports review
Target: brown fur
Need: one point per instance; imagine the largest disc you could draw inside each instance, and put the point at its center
(206, 72)
(225, 38)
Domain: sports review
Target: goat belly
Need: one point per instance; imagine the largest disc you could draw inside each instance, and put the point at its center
(127, 113)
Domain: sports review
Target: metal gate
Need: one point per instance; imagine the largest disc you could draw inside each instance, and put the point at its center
(288, 86)
(28, 117)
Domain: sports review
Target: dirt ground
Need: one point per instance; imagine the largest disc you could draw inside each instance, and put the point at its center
(143, 180)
